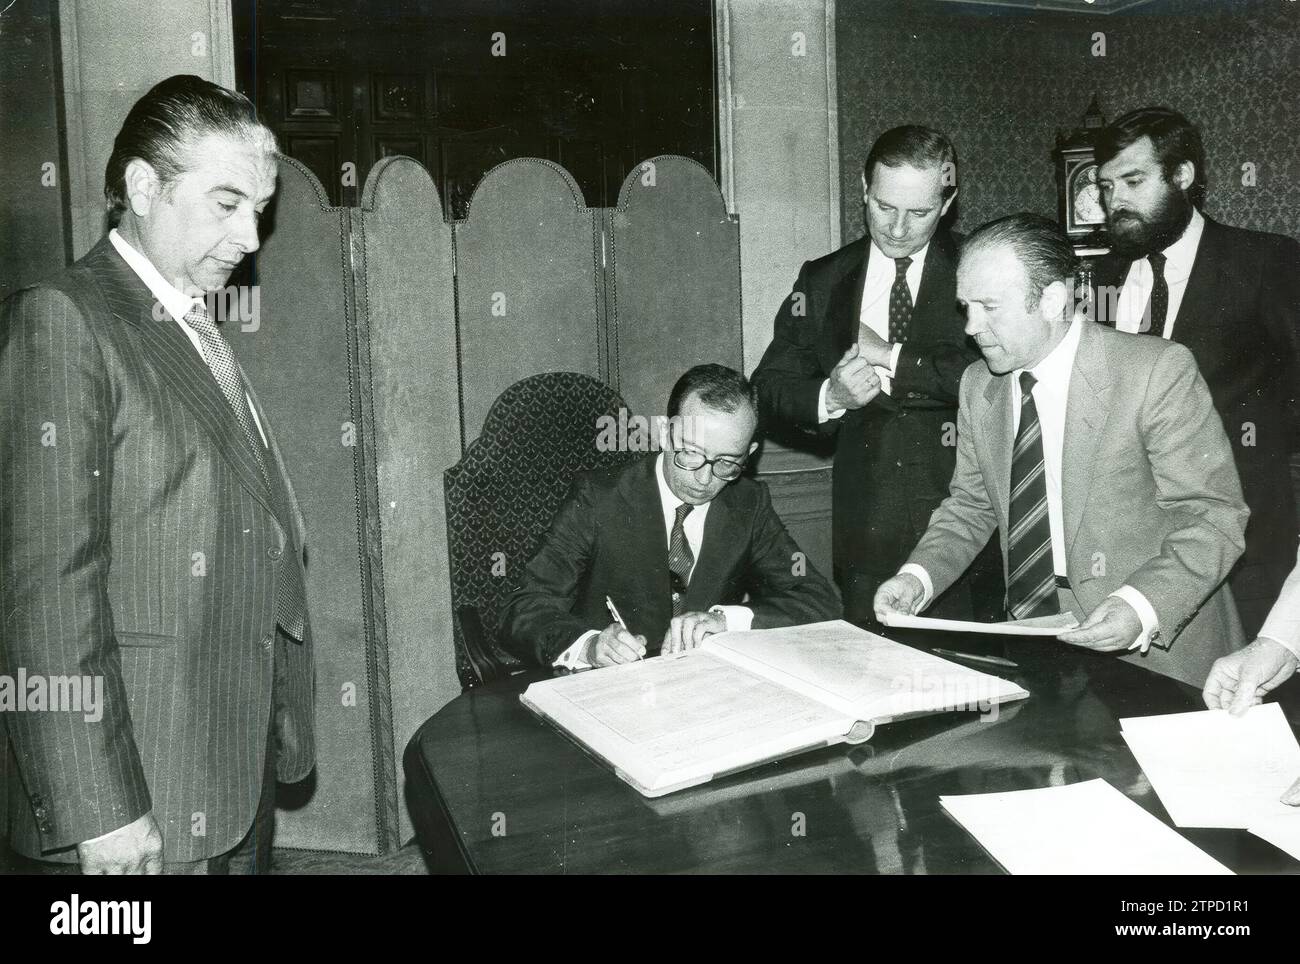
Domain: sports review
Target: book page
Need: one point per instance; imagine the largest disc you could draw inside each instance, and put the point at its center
(1081, 828)
(674, 718)
(862, 674)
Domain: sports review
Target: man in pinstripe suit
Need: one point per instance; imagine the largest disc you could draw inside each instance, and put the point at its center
(149, 535)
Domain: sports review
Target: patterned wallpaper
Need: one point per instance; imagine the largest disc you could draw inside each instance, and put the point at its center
(1001, 83)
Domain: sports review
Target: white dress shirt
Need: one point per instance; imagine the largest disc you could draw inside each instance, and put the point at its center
(176, 302)
(1135, 294)
(1051, 395)
(738, 617)
(1283, 622)
(874, 314)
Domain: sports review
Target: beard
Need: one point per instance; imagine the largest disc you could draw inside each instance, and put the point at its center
(1136, 234)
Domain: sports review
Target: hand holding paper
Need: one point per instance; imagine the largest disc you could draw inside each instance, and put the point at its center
(898, 594)
(1239, 681)
(1113, 625)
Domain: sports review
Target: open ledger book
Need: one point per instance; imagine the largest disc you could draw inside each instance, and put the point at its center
(742, 699)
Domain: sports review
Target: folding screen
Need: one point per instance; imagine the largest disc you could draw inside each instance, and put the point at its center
(527, 283)
(407, 324)
(674, 256)
(300, 356)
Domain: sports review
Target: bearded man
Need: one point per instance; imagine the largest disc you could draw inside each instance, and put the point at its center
(1232, 296)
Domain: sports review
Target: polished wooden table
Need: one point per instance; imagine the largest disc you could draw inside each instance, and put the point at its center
(493, 789)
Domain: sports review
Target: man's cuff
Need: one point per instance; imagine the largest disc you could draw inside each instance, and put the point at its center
(893, 359)
(920, 573)
(1150, 622)
(739, 618)
(1293, 647)
(823, 414)
(572, 658)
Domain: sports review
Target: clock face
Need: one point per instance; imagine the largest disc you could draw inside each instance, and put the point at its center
(1086, 206)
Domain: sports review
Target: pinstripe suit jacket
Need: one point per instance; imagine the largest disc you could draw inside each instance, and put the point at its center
(138, 543)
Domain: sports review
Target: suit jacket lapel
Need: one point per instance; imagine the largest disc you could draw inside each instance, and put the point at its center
(934, 295)
(717, 546)
(1086, 411)
(846, 304)
(1205, 285)
(173, 356)
(995, 422)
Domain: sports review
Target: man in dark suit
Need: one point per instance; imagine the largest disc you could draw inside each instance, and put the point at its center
(1100, 459)
(869, 346)
(1232, 297)
(678, 542)
(149, 536)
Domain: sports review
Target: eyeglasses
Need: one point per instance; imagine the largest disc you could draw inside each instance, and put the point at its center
(727, 470)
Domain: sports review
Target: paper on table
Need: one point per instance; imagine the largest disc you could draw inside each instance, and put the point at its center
(1212, 769)
(1038, 626)
(1081, 828)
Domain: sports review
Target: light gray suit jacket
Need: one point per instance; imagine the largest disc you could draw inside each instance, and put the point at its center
(1150, 497)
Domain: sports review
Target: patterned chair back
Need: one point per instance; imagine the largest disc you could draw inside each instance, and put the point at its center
(503, 493)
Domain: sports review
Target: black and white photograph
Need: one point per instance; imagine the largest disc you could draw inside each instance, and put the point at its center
(689, 437)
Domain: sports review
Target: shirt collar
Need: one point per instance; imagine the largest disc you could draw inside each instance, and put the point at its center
(1180, 255)
(878, 257)
(667, 498)
(1054, 370)
(176, 302)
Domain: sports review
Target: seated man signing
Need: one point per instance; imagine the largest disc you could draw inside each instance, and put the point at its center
(675, 541)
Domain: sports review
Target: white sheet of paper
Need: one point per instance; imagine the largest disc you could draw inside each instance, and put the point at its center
(1212, 769)
(1080, 828)
(1039, 626)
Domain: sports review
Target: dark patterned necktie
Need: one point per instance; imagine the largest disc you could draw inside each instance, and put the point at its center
(221, 361)
(290, 593)
(1158, 307)
(900, 302)
(680, 558)
(1031, 579)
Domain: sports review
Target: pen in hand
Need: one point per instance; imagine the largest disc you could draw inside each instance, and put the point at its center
(613, 612)
(636, 641)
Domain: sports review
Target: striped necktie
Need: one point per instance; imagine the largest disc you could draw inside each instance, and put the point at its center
(680, 558)
(1031, 579)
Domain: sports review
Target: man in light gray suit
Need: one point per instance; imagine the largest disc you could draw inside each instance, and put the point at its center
(150, 541)
(1098, 456)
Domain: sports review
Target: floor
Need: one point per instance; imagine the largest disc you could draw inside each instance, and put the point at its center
(407, 860)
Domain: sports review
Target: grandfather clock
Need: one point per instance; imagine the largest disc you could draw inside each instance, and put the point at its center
(1078, 195)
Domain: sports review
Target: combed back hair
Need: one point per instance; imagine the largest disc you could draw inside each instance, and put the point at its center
(1040, 245)
(167, 121)
(1174, 137)
(921, 147)
(717, 386)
